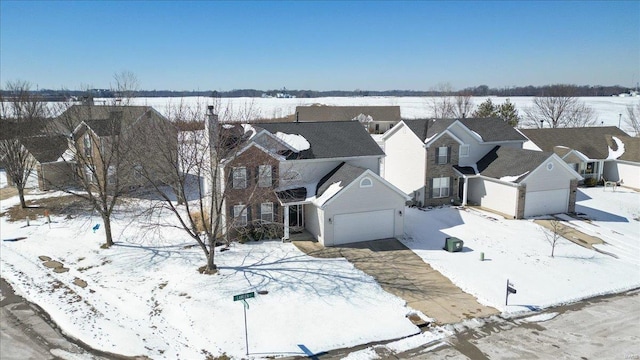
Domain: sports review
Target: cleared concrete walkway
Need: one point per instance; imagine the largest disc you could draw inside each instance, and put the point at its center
(401, 272)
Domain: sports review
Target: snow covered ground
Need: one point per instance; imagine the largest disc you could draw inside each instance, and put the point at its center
(144, 296)
(518, 251)
(607, 108)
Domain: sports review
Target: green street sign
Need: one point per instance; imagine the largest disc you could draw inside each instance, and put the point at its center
(244, 296)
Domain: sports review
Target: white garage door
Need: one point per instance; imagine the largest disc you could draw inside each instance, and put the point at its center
(546, 202)
(371, 225)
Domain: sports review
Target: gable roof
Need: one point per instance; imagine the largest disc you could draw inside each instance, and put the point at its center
(503, 162)
(336, 139)
(590, 141)
(101, 118)
(343, 173)
(489, 129)
(46, 148)
(320, 112)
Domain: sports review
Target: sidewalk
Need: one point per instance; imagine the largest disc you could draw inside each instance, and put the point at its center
(401, 272)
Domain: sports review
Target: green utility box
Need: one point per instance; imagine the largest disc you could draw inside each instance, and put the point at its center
(452, 244)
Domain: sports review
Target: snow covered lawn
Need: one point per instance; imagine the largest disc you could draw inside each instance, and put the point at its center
(144, 296)
(518, 250)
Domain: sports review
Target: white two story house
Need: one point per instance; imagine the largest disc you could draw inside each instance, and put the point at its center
(476, 161)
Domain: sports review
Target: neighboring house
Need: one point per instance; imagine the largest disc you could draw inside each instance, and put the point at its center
(477, 161)
(593, 152)
(318, 177)
(51, 170)
(122, 141)
(376, 119)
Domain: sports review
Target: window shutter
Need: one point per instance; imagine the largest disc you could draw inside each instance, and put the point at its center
(259, 211)
(274, 178)
(233, 215)
(248, 182)
(431, 188)
(449, 192)
(257, 175)
(230, 180)
(249, 218)
(276, 218)
(448, 154)
(437, 152)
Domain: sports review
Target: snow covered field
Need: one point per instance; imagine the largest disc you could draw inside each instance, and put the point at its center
(518, 250)
(607, 108)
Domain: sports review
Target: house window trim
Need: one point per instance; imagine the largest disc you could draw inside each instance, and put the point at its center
(270, 212)
(240, 215)
(440, 192)
(439, 155)
(241, 180)
(464, 150)
(366, 182)
(263, 180)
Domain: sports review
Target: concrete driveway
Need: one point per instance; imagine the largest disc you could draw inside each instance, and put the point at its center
(401, 272)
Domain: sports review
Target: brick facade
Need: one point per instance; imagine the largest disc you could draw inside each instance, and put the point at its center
(436, 170)
(252, 195)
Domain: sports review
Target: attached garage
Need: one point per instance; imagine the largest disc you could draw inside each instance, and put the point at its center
(363, 226)
(546, 202)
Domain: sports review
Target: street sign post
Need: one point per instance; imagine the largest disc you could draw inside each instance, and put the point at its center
(243, 297)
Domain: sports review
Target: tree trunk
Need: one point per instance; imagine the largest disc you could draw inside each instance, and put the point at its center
(21, 194)
(107, 231)
(212, 243)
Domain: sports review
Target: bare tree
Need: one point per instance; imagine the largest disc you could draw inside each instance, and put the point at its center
(22, 114)
(462, 106)
(442, 106)
(124, 87)
(554, 232)
(101, 146)
(559, 110)
(633, 117)
(197, 192)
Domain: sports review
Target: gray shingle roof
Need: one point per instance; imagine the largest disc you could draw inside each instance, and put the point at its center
(590, 141)
(343, 173)
(46, 148)
(503, 161)
(346, 113)
(490, 129)
(335, 139)
(97, 115)
(631, 147)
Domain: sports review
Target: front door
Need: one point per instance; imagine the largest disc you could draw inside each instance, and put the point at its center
(296, 218)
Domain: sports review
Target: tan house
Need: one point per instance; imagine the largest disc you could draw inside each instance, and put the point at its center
(116, 144)
(376, 119)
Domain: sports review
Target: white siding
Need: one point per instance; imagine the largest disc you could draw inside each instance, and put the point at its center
(313, 218)
(359, 200)
(494, 195)
(404, 165)
(542, 178)
(627, 172)
(312, 171)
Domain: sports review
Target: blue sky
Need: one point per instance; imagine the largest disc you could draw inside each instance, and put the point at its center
(377, 45)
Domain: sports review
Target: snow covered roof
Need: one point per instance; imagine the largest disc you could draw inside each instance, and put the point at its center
(46, 148)
(337, 139)
(509, 164)
(590, 141)
(623, 148)
(344, 113)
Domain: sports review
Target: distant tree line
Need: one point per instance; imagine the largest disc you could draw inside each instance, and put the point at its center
(482, 90)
